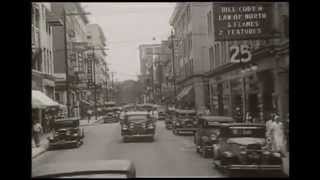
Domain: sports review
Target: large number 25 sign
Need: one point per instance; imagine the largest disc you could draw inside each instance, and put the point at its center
(240, 53)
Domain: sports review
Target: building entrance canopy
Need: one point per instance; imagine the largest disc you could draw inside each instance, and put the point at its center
(184, 92)
(41, 100)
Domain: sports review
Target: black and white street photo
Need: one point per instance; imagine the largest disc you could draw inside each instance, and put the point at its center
(160, 89)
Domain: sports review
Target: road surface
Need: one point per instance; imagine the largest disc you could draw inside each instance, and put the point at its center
(167, 156)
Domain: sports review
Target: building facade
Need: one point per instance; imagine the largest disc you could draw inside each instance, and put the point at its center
(259, 86)
(43, 20)
(97, 41)
(190, 37)
(76, 52)
(149, 54)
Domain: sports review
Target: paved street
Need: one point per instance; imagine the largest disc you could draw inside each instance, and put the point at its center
(168, 155)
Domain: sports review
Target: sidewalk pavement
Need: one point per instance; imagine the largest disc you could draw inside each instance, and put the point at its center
(44, 143)
(36, 151)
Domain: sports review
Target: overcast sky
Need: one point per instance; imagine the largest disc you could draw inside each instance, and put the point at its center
(126, 26)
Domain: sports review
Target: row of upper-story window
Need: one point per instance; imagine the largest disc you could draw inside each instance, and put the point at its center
(43, 62)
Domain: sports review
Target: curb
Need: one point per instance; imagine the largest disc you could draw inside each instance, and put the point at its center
(43, 150)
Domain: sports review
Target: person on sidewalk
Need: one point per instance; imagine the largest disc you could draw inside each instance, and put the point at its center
(37, 129)
(277, 135)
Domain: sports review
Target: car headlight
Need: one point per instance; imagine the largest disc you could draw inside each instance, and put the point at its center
(177, 124)
(213, 137)
(124, 128)
(75, 134)
(276, 154)
(228, 154)
(266, 153)
(205, 138)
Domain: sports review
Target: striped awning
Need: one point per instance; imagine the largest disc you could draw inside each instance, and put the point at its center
(41, 100)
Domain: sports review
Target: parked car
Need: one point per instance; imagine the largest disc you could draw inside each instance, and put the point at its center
(169, 118)
(207, 131)
(92, 169)
(67, 131)
(184, 121)
(241, 146)
(138, 124)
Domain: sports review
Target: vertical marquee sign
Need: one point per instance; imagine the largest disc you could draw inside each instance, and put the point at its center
(242, 20)
(89, 71)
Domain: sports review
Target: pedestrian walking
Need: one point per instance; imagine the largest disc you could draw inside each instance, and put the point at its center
(89, 113)
(37, 129)
(277, 135)
(237, 115)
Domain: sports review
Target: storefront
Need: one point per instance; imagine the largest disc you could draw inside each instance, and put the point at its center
(265, 87)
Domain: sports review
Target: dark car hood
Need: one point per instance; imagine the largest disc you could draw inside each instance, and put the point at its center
(246, 140)
(54, 169)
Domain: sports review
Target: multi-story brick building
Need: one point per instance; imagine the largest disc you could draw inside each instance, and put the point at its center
(149, 54)
(190, 34)
(76, 51)
(97, 41)
(263, 87)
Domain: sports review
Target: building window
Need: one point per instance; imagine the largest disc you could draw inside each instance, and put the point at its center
(211, 58)
(209, 22)
(217, 54)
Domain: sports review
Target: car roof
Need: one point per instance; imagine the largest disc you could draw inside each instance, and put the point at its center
(132, 113)
(185, 111)
(51, 169)
(244, 124)
(68, 119)
(217, 118)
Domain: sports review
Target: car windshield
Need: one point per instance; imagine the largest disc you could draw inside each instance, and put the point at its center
(257, 132)
(137, 118)
(65, 124)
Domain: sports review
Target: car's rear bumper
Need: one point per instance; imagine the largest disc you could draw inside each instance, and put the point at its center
(137, 135)
(254, 167)
(185, 129)
(62, 143)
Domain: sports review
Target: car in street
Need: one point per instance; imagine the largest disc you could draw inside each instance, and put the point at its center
(66, 132)
(207, 131)
(241, 147)
(93, 169)
(184, 121)
(110, 117)
(169, 118)
(138, 124)
(161, 112)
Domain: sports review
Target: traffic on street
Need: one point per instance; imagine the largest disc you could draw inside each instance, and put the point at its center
(185, 89)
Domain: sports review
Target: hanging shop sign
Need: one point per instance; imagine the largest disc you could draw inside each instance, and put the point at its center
(242, 20)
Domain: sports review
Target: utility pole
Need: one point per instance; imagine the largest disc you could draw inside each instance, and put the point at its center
(112, 85)
(66, 62)
(106, 82)
(94, 83)
(174, 71)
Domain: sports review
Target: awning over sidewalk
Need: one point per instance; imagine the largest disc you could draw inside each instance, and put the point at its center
(184, 92)
(41, 100)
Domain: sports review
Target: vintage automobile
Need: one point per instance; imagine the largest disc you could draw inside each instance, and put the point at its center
(161, 113)
(138, 124)
(169, 117)
(184, 121)
(207, 131)
(111, 115)
(66, 132)
(92, 169)
(241, 146)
